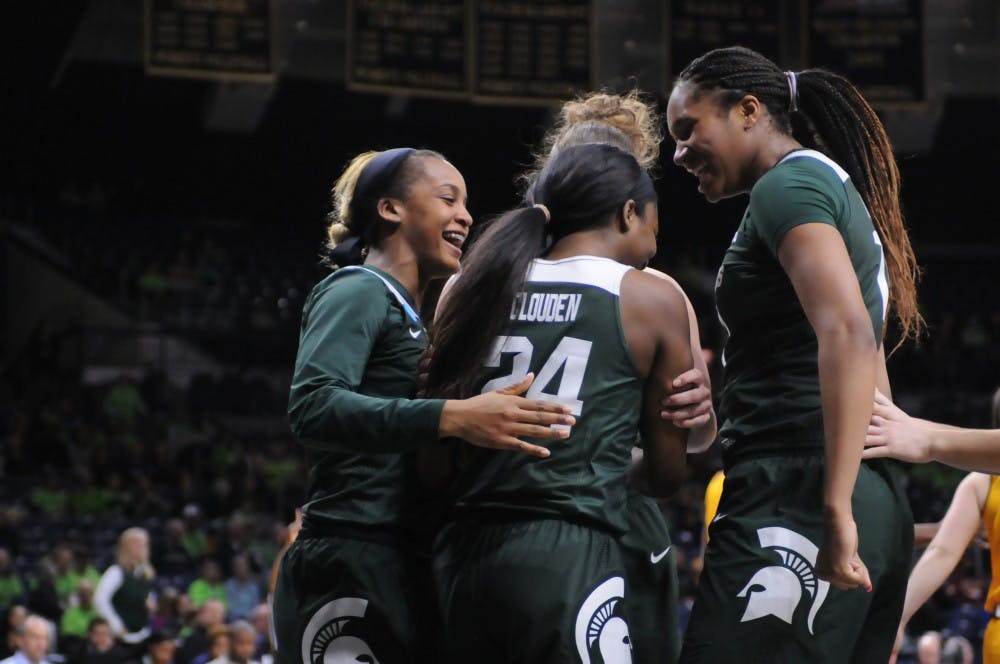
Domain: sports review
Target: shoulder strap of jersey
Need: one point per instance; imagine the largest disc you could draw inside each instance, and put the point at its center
(410, 312)
(820, 157)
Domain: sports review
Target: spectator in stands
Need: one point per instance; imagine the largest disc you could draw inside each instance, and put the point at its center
(78, 617)
(243, 644)
(242, 589)
(11, 586)
(123, 403)
(232, 542)
(50, 497)
(100, 646)
(194, 539)
(160, 649)
(83, 568)
(16, 616)
(172, 558)
(211, 615)
(147, 501)
(166, 618)
(208, 585)
(88, 498)
(929, 648)
(69, 572)
(219, 642)
(260, 618)
(957, 650)
(43, 598)
(34, 639)
(122, 596)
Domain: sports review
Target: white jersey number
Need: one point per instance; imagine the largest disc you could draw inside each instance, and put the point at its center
(571, 355)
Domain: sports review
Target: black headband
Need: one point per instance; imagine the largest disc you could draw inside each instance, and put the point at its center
(372, 181)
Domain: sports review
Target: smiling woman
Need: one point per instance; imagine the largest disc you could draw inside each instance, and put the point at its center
(354, 582)
(819, 261)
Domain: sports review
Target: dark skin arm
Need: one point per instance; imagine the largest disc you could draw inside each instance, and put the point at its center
(815, 258)
(690, 404)
(655, 320)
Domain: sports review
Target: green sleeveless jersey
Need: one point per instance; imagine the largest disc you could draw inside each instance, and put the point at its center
(351, 402)
(566, 328)
(770, 389)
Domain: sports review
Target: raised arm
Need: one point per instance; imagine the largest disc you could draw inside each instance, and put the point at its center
(815, 258)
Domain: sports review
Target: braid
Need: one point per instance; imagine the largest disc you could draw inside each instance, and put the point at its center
(835, 119)
(855, 138)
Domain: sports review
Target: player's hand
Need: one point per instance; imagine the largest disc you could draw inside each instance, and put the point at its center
(500, 419)
(893, 433)
(690, 404)
(838, 561)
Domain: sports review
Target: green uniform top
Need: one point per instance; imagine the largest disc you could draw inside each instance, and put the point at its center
(351, 400)
(121, 596)
(770, 381)
(566, 328)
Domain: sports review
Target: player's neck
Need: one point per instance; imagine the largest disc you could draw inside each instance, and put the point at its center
(403, 269)
(597, 242)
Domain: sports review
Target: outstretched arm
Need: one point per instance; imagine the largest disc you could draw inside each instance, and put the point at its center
(894, 434)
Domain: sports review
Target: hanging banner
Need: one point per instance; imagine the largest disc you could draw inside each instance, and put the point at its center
(879, 46)
(411, 46)
(219, 39)
(531, 52)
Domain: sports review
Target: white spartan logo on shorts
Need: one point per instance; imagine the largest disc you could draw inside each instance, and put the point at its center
(777, 590)
(597, 625)
(324, 642)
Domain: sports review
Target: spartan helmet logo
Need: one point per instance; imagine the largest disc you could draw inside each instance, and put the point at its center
(599, 630)
(324, 640)
(777, 590)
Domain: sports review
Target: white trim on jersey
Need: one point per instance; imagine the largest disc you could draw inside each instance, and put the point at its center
(602, 273)
(410, 313)
(819, 156)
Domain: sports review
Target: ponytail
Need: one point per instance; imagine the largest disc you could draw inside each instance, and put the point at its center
(493, 272)
(854, 136)
(581, 187)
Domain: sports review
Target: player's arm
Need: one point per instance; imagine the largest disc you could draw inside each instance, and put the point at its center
(816, 260)
(690, 405)
(956, 531)
(655, 319)
(340, 327)
(325, 410)
(892, 433)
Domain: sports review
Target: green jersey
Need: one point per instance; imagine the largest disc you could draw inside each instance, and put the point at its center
(771, 374)
(351, 401)
(565, 327)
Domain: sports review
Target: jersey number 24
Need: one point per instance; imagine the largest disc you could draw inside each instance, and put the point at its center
(571, 355)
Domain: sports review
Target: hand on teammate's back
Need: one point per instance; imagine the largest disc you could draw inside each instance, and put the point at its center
(499, 419)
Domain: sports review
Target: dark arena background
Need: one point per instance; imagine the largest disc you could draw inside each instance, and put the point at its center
(166, 172)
